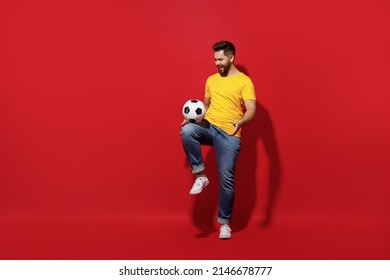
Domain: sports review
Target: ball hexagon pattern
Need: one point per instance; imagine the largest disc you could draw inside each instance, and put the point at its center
(194, 111)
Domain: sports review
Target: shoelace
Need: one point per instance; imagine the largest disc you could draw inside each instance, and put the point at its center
(199, 181)
(225, 227)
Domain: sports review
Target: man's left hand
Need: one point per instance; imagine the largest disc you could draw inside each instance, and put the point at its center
(237, 126)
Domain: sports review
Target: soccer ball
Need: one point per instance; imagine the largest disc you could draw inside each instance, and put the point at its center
(194, 111)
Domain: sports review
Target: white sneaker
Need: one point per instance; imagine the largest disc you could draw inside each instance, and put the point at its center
(200, 183)
(225, 232)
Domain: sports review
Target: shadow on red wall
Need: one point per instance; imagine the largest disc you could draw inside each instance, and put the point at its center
(205, 205)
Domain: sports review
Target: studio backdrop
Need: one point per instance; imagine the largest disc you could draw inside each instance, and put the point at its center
(91, 94)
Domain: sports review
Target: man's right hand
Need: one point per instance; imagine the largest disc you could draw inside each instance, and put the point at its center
(184, 122)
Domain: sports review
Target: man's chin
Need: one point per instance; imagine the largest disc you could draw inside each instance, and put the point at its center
(222, 72)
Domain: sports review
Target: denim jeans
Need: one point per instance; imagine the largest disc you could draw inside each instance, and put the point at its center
(226, 149)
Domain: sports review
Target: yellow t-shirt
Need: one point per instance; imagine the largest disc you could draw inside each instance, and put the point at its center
(227, 99)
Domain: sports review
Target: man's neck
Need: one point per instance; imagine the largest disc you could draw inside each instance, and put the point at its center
(233, 71)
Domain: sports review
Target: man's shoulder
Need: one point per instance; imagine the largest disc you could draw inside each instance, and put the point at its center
(243, 76)
(214, 76)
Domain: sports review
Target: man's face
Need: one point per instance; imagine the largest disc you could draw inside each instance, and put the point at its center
(223, 62)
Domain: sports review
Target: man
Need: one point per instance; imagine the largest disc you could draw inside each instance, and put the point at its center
(231, 103)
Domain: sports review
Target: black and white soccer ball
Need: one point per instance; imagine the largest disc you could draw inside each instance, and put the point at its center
(194, 110)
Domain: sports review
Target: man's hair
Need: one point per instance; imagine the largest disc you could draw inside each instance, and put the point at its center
(227, 47)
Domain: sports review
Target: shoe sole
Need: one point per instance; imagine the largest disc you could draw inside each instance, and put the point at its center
(225, 236)
(200, 190)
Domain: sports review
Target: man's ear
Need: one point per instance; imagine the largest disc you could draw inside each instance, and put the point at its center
(231, 58)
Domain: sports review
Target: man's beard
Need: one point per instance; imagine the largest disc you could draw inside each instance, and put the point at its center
(224, 71)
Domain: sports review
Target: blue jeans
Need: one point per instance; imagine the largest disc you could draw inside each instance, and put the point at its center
(226, 148)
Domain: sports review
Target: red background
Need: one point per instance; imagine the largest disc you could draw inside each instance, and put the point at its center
(91, 163)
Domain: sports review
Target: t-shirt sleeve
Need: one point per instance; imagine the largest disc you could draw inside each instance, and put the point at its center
(248, 92)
